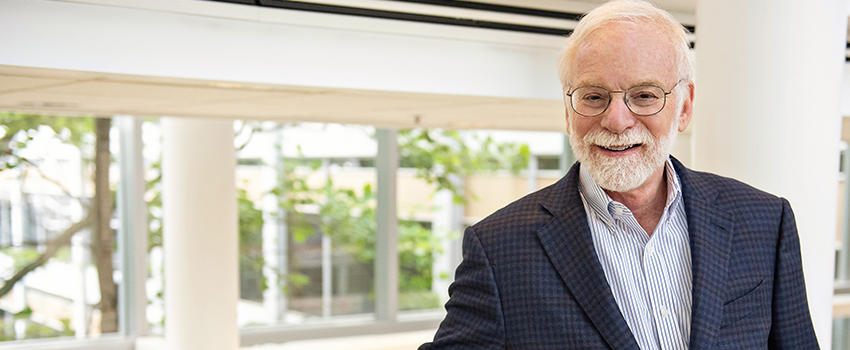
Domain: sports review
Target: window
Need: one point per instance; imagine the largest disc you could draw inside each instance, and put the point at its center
(57, 249)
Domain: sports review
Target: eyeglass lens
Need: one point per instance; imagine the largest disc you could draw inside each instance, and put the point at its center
(644, 100)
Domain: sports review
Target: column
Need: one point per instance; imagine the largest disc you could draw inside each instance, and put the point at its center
(386, 243)
(327, 257)
(767, 112)
(200, 234)
(133, 233)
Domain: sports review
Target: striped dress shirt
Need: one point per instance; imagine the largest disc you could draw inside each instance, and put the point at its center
(650, 276)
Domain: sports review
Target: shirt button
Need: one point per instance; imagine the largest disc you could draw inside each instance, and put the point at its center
(618, 210)
(650, 250)
(664, 311)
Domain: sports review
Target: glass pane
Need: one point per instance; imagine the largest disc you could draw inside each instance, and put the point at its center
(56, 252)
(841, 331)
(307, 221)
(451, 179)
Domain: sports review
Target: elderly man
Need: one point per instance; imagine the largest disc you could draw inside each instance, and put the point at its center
(630, 250)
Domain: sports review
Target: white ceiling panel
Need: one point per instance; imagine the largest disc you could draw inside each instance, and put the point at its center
(37, 90)
(22, 83)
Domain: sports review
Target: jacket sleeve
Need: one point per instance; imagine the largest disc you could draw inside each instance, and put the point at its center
(791, 322)
(474, 317)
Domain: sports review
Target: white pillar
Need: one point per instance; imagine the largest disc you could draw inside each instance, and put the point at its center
(200, 234)
(386, 242)
(327, 276)
(133, 234)
(327, 257)
(767, 112)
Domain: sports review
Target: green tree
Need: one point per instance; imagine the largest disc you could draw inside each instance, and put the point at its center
(440, 156)
(348, 217)
(18, 131)
(252, 282)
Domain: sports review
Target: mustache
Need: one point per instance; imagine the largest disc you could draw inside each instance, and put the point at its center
(606, 138)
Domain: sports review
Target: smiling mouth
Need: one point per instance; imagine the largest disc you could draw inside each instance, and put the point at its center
(620, 148)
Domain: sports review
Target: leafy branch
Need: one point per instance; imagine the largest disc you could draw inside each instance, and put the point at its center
(440, 157)
(52, 247)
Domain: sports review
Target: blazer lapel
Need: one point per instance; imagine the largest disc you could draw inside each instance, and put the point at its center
(569, 245)
(709, 228)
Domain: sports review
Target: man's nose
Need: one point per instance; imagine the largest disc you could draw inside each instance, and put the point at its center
(618, 117)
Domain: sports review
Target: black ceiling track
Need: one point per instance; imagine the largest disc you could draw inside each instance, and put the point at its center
(415, 17)
(411, 17)
(498, 8)
(509, 9)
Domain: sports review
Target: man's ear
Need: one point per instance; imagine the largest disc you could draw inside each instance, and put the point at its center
(687, 107)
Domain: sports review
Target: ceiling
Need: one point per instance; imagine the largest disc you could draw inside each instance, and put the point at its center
(683, 6)
(62, 92)
(37, 90)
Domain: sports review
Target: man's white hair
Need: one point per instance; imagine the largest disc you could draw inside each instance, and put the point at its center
(638, 12)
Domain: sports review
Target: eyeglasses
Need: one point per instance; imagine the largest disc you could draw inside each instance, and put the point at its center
(643, 100)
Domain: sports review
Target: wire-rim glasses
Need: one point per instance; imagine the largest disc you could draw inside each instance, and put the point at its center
(642, 100)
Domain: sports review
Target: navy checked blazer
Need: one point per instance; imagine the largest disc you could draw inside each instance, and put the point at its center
(530, 277)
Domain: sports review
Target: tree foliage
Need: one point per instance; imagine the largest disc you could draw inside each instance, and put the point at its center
(251, 261)
(348, 215)
(441, 156)
(18, 132)
(18, 129)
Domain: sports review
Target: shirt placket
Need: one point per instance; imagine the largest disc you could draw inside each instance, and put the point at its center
(636, 242)
(656, 260)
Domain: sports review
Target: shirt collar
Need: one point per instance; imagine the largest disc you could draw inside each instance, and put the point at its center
(604, 207)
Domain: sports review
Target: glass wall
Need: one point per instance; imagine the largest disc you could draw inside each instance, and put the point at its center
(307, 202)
(307, 212)
(450, 179)
(307, 221)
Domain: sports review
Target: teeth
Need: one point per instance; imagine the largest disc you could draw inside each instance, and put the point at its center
(618, 148)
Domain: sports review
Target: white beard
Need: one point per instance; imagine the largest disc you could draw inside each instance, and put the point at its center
(621, 174)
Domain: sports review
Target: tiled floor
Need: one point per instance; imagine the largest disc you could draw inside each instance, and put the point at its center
(391, 341)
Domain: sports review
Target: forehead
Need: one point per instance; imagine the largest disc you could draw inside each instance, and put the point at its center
(623, 54)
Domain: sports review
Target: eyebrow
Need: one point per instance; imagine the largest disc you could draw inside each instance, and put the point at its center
(639, 83)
